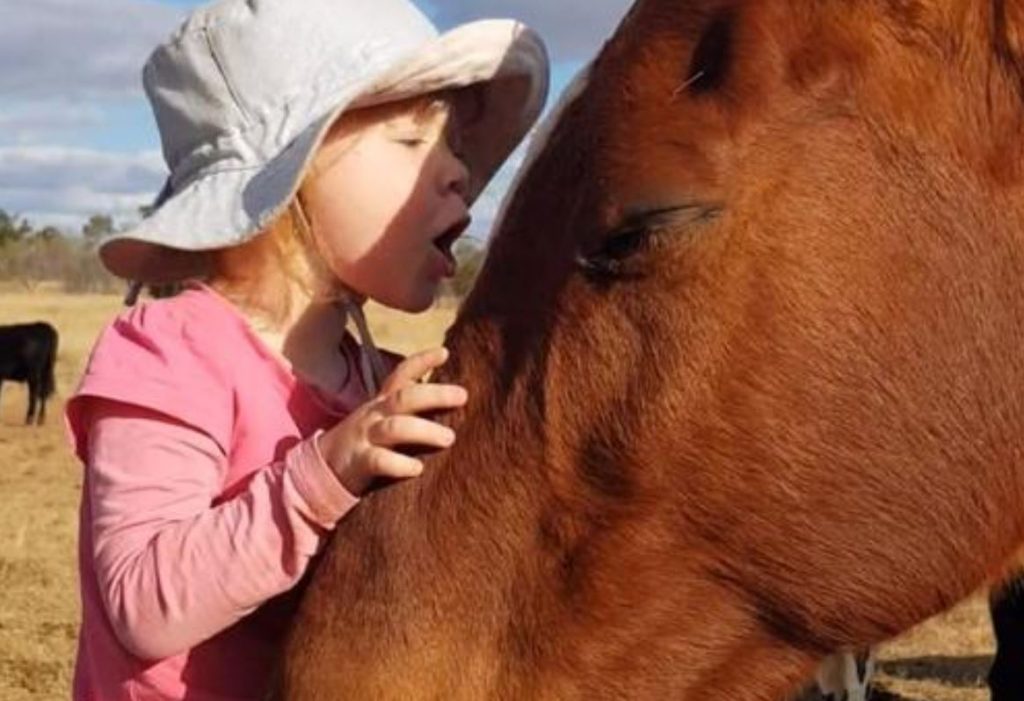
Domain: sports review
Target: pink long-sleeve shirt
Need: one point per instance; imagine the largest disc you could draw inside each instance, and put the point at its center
(204, 499)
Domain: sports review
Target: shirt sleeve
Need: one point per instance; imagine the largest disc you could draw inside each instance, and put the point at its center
(156, 356)
(174, 570)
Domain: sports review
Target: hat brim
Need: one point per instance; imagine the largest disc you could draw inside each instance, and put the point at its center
(228, 207)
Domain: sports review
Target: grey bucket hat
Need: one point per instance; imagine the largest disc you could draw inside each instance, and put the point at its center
(244, 92)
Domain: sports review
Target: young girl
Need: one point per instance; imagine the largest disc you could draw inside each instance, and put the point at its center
(322, 152)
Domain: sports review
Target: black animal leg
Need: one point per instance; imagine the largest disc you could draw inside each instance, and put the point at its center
(1006, 678)
(32, 391)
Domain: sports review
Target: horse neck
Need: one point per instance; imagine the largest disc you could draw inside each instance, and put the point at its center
(478, 506)
(442, 569)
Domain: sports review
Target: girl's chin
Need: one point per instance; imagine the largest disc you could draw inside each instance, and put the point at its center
(422, 304)
(414, 301)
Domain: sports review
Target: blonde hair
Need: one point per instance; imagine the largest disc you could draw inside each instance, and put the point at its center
(262, 275)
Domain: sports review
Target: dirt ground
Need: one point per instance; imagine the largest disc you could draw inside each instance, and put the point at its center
(945, 659)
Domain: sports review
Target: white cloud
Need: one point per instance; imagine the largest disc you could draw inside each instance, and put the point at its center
(95, 48)
(65, 222)
(37, 121)
(61, 186)
(64, 62)
(78, 49)
(51, 166)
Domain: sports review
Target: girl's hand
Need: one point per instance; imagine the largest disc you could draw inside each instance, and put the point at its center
(361, 448)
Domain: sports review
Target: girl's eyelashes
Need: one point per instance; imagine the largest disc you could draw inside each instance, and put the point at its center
(412, 141)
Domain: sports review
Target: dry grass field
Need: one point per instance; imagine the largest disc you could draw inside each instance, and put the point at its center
(944, 660)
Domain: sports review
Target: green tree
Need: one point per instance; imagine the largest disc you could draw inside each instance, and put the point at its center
(13, 228)
(97, 228)
(48, 233)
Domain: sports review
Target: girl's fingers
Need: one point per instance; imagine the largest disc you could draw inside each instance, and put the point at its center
(387, 463)
(410, 430)
(420, 398)
(414, 367)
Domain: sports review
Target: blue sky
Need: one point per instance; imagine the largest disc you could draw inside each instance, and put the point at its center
(76, 133)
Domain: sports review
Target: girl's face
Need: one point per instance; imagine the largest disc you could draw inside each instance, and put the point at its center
(386, 197)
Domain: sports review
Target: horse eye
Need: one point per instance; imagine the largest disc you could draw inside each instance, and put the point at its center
(612, 258)
(625, 242)
(609, 258)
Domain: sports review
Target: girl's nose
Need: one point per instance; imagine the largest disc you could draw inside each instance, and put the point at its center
(456, 175)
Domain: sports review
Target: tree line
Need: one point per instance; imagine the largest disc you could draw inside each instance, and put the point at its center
(30, 256)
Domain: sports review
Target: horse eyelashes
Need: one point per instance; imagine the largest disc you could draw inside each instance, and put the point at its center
(611, 260)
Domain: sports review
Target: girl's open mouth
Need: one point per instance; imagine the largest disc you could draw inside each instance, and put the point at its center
(446, 241)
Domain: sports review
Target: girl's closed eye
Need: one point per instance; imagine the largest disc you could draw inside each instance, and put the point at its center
(408, 133)
(411, 141)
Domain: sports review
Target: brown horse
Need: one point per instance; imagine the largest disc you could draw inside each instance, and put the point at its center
(746, 372)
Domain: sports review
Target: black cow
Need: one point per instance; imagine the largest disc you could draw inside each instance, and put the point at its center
(1007, 676)
(27, 354)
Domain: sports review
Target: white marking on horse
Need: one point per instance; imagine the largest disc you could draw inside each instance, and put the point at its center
(847, 676)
